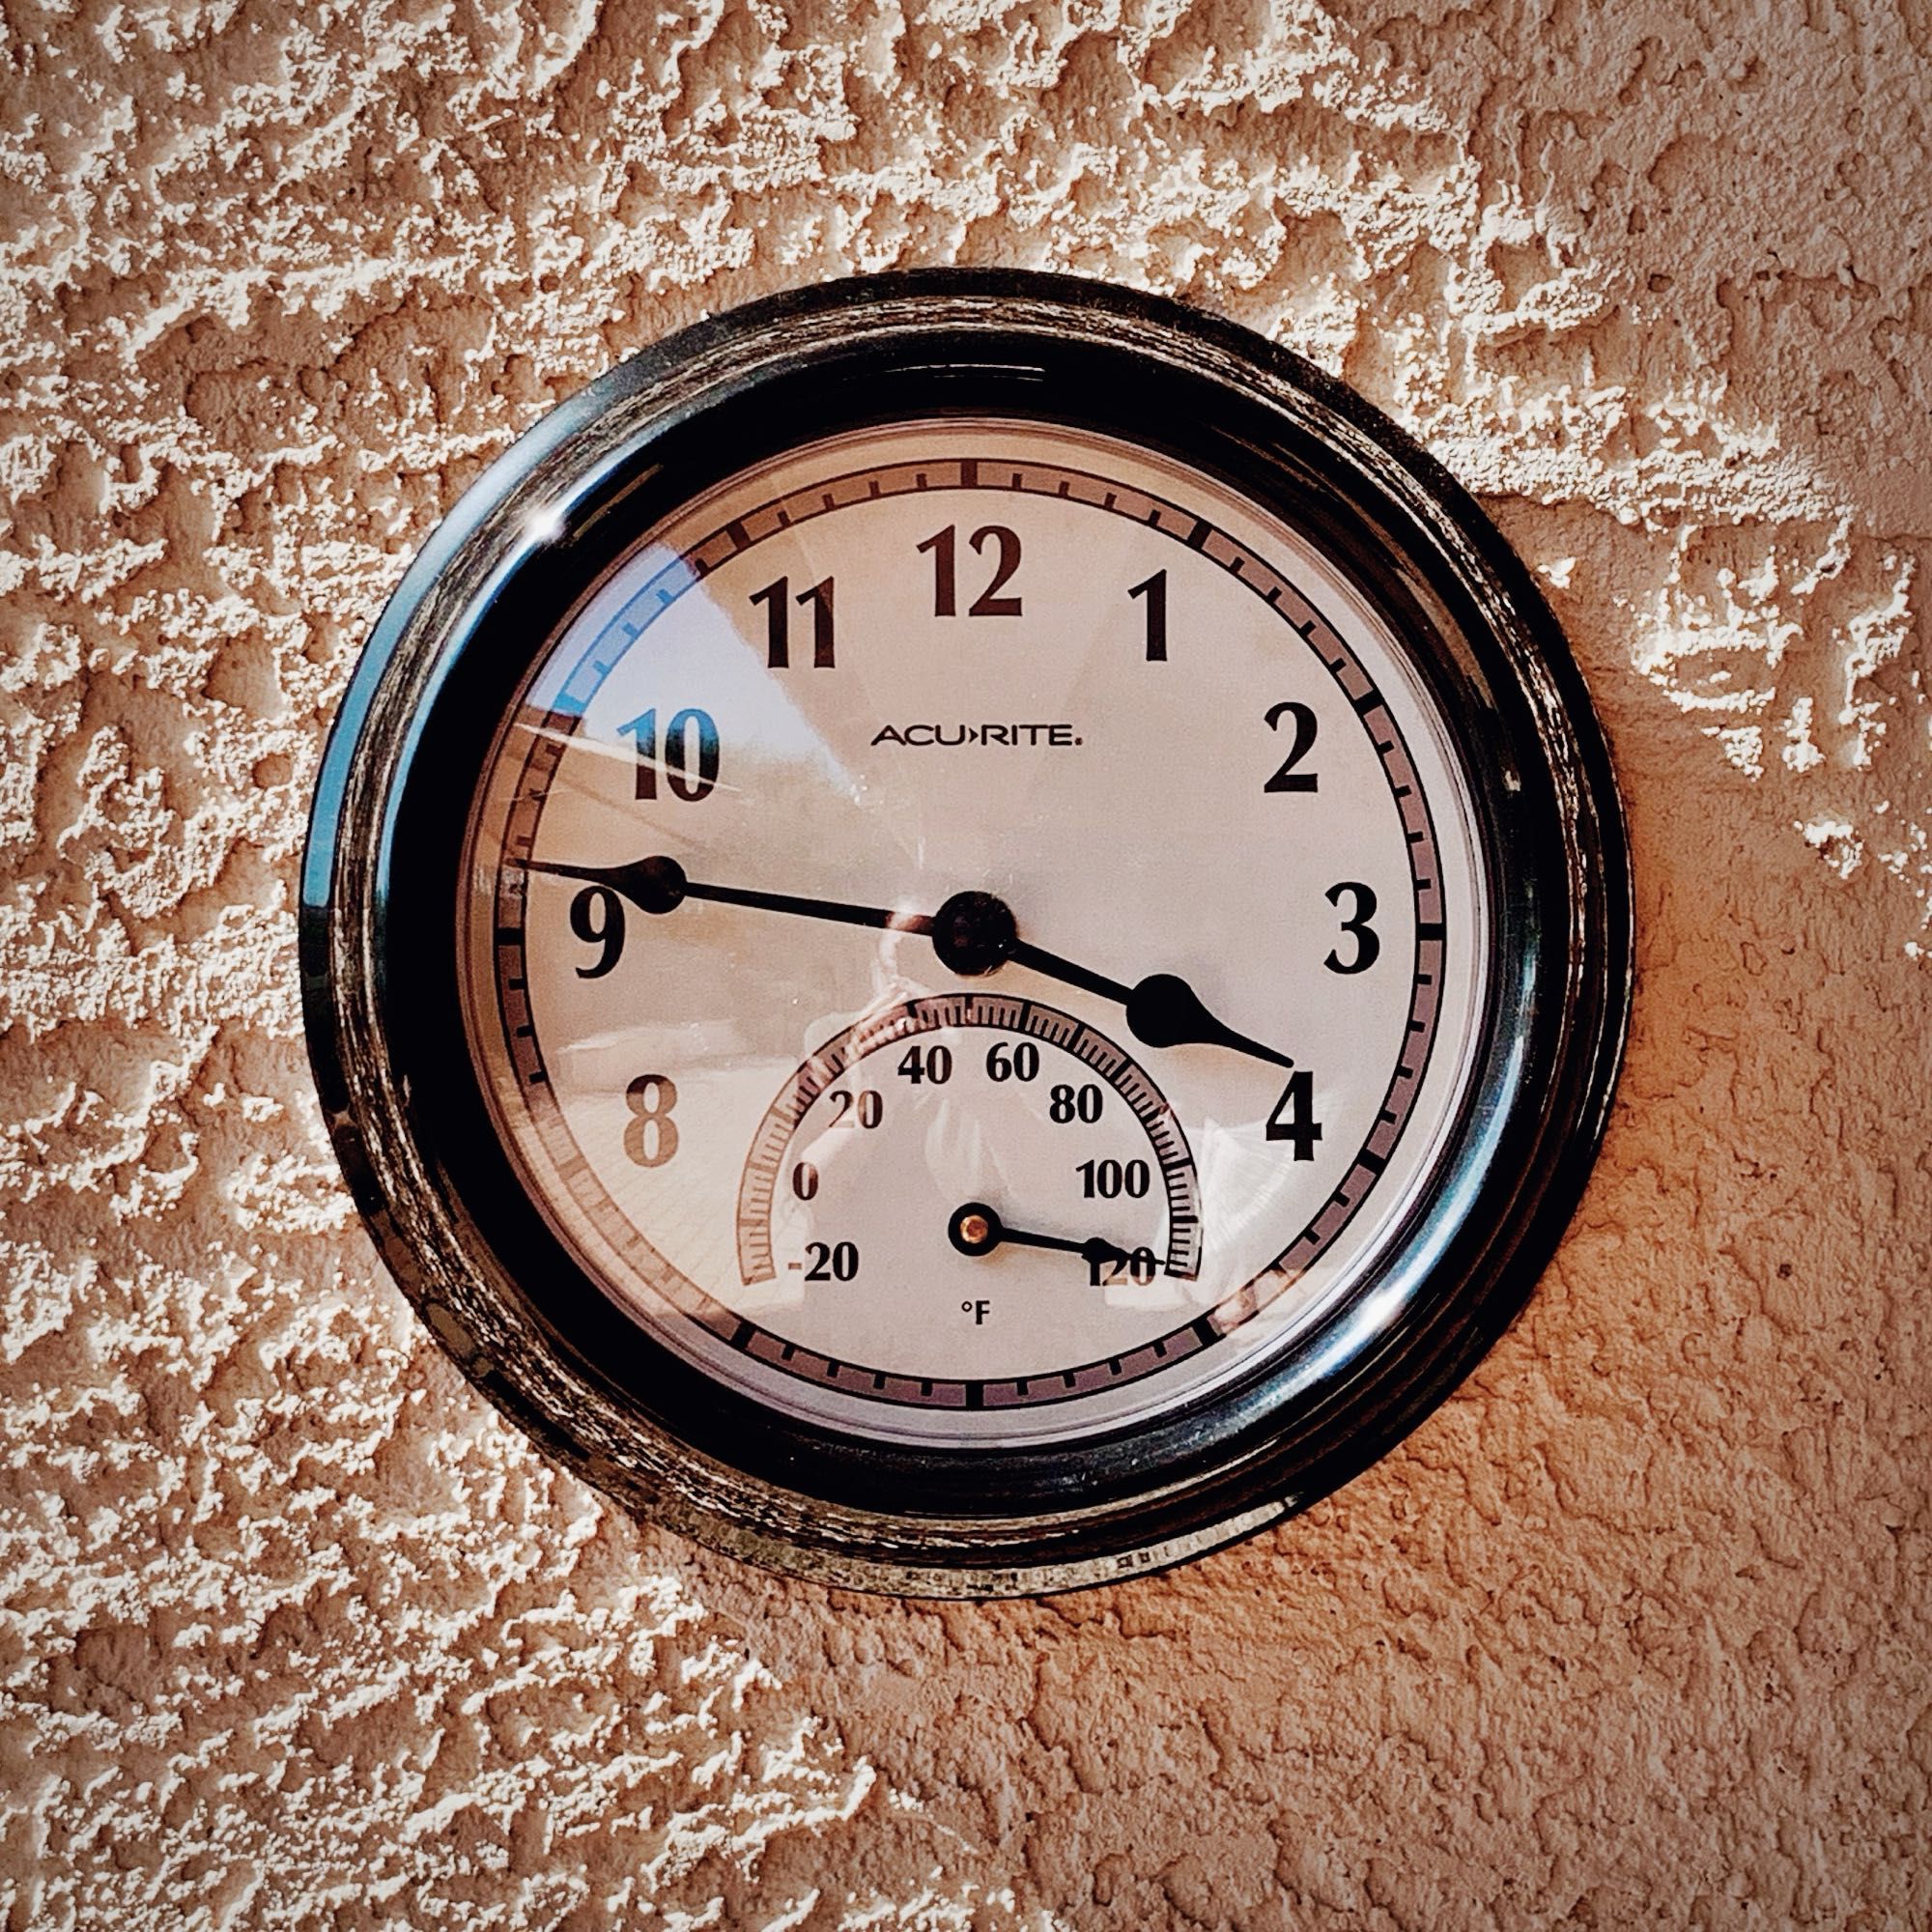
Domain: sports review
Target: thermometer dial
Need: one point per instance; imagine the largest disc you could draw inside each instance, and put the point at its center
(1003, 942)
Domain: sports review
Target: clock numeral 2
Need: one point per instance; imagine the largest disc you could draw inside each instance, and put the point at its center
(1286, 776)
(689, 753)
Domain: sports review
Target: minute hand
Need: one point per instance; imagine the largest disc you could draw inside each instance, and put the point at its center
(974, 933)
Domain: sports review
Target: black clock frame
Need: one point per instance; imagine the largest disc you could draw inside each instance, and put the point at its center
(382, 876)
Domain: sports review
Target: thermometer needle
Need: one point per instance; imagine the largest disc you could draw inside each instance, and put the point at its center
(972, 932)
(976, 1230)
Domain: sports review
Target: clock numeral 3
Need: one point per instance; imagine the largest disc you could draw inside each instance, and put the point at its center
(1368, 944)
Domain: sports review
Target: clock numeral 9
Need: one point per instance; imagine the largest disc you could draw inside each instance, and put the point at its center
(650, 1135)
(689, 753)
(944, 545)
(597, 918)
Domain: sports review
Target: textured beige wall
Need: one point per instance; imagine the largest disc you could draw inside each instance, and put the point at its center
(293, 1632)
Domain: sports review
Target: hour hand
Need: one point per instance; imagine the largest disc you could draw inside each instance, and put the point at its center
(973, 933)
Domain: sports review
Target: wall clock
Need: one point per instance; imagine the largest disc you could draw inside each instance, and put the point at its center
(966, 933)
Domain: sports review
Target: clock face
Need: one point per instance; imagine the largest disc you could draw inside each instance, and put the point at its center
(965, 933)
(973, 932)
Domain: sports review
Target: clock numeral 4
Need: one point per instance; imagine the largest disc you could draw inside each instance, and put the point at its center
(1293, 1116)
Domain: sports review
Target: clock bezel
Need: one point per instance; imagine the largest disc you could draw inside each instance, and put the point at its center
(379, 931)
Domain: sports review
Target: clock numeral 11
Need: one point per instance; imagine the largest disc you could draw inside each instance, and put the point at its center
(778, 600)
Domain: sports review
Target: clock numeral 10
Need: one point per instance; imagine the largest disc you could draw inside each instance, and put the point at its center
(689, 763)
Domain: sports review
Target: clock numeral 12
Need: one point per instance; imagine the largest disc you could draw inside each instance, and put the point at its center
(944, 547)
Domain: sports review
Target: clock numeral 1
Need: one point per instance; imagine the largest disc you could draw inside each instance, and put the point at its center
(1293, 1116)
(689, 753)
(778, 600)
(1154, 590)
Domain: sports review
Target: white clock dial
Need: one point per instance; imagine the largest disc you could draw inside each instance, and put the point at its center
(974, 933)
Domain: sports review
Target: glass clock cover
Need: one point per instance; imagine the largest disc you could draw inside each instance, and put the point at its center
(966, 933)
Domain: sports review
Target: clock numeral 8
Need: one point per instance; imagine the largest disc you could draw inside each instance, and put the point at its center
(650, 1135)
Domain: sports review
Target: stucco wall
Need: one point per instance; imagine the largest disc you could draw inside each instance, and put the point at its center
(1635, 1631)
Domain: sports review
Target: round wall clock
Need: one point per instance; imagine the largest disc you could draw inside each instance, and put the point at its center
(966, 933)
